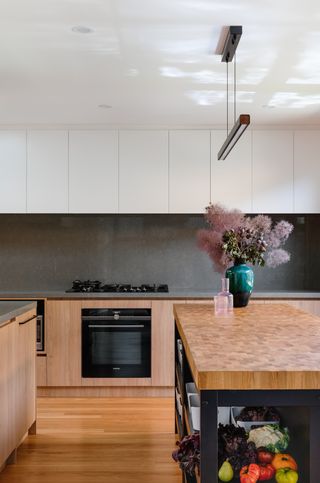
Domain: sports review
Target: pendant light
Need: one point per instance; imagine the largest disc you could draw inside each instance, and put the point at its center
(228, 53)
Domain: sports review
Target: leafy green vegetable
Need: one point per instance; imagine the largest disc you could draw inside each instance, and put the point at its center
(234, 447)
(271, 437)
(188, 453)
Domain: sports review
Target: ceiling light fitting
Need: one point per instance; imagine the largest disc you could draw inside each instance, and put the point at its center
(228, 53)
(231, 43)
(234, 135)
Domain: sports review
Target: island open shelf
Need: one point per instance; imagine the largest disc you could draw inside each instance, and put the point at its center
(260, 356)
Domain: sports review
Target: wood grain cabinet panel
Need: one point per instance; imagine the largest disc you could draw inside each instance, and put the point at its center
(41, 370)
(30, 374)
(17, 381)
(8, 371)
(63, 325)
(162, 343)
(25, 407)
(311, 306)
(113, 304)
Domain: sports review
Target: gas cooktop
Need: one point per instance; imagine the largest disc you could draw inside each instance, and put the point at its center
(96, 286)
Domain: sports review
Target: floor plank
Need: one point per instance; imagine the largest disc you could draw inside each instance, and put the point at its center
(109, 440)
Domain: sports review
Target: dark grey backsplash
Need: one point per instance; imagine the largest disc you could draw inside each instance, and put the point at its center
(44, 252)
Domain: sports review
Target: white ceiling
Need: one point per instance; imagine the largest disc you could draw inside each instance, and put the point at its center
(153, 61)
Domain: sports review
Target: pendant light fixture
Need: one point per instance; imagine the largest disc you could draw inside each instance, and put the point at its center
(228, 53)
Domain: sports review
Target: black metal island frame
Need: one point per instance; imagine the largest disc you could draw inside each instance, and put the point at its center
(261, 355)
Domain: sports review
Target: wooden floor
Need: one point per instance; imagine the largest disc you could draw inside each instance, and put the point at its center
(91, 440)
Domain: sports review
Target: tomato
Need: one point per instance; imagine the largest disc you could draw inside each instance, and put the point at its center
(282, 460)
(250, 474)
(264, 456)
(266, 472)
(286, 475)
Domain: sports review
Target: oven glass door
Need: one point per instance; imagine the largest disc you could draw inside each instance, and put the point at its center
(116, 348)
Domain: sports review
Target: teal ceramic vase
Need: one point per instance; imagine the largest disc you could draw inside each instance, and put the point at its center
(241, 283)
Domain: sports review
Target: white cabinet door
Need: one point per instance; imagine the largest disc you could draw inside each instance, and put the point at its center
(47, 172)
(13, 165)
(307, 172)
(93, 171)
(143, 171)
(272, 172)
(189, 171)
(231, 179)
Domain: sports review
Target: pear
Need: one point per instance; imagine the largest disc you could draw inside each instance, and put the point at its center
(225, 472)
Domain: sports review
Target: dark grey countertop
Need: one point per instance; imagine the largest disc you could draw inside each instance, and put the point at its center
(173, 294)
(9, 310)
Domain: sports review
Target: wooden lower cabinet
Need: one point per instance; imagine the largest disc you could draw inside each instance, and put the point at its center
(26, 374)
(63, 342)
(63, 335)
(8, 369)
(63, 339)
(312, 306)
(41, 370)
(17, 382)
(162, 353)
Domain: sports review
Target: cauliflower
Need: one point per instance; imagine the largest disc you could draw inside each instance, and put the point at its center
(271, 437)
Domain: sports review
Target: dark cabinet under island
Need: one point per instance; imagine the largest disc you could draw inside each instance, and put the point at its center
(262, 359)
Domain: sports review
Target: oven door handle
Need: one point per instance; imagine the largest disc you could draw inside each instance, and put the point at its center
(112, 318)
(114, 326)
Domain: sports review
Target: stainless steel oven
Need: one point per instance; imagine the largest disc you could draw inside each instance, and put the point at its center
(116, 343)
(40, 333)
(40, 326)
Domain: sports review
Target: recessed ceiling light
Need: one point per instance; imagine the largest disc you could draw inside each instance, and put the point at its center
(82, 29)
(268, 106)
(104, 106)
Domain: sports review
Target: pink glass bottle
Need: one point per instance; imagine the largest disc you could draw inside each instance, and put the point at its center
(223, 302)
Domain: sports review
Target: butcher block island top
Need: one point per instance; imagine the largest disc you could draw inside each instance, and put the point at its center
(262, 346)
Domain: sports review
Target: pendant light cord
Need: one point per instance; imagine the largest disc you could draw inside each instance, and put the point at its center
(234, 92)
(227, 98)
(234, 89)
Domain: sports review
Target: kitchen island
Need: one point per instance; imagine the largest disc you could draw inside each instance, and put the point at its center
(17, 376)
(261, 355)
(11, 309)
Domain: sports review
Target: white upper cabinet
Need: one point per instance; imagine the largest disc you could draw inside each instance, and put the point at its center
(13, 198)
(156, 171)
(93, 171)
(47, 172)
(272, 172)
(143, 171)
(189, 171)
(231, 179)
(307, 172)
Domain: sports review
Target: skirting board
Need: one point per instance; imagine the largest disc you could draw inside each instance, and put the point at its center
(105, 392)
